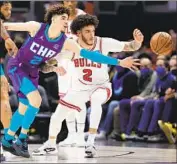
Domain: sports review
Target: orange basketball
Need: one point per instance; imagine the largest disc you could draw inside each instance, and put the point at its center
(161, 43)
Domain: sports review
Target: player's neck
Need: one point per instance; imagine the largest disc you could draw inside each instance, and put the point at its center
(85, 46)
(73, 14)
(53, 32)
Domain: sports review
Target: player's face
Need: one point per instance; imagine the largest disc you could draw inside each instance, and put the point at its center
(70, 4)
(87, 34)
(6, 10)
(60, 22)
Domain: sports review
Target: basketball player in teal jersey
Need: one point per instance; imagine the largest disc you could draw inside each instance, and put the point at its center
(46, 41)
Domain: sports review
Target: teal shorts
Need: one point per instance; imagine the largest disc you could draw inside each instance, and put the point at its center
(2, 71)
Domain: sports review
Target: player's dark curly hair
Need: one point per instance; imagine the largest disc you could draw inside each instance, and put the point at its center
(83, 20)
(4, 2)
(57, 9)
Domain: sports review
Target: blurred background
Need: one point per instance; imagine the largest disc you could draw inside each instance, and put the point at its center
(117, 20)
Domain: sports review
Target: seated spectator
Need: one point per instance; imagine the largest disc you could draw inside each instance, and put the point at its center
(116, 132)
(173, 65)
(170, 128)
(130, 109)
(122, 88)
(155, 107)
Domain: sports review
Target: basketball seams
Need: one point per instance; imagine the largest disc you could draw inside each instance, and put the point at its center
(167, 40)
(157, 42)
(166, 49)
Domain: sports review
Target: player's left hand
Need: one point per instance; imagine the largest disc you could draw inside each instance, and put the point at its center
(130, 63)
(138, 36)
(60, 70)
(11, 47)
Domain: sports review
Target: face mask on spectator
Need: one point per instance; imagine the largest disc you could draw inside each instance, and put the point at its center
(161, 71)
(145, 72)
(174, 72)
(120, 69)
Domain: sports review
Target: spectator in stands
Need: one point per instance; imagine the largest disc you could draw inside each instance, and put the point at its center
(122, 88)
(156, 104)
(130, 109)
(170, 127)
(173, 65)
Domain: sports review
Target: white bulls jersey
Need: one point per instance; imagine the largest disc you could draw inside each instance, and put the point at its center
(88, 74)
(64, 82)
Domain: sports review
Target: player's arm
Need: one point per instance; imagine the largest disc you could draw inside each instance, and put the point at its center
(32, 27)
(9, 44)
(3, 32)
(71, 45)
(95, 56)
(136, 43)
(49, 66)
(46, 68)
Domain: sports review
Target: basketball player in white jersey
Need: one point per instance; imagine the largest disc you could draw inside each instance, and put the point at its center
(90, 81)
(64, 83)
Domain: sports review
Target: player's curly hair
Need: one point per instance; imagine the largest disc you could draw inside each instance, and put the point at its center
(83, 20)
(57, 9)
(4, 2)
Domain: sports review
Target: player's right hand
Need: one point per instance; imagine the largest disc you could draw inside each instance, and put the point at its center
(130, 63)
(11, 47)
(59, 70)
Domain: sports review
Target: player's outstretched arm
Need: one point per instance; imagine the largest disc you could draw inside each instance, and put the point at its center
(32, 27)
(95, 56)
(73, 46)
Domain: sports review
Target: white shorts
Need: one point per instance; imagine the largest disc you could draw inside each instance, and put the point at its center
(76, 99)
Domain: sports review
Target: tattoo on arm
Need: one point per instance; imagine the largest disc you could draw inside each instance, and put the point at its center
(3, 32)
(45, 68)
(132, 46)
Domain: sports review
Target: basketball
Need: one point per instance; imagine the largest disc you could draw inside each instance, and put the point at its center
(161, 43)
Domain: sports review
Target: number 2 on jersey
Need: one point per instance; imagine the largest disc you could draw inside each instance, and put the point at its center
(87, 75)
(36, 60)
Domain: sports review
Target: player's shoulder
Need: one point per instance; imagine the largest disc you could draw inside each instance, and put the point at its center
(35, 25)
(80, 12)
(103, 39)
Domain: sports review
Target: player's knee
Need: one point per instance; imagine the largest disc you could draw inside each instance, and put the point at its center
(99, 96)
(4, 95)
(34, 99)
(22, 108)
(54, 119)
(71, 117)
(6, 109)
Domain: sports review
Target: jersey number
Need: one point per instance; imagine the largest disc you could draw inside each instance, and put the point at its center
(36, 60)
(87, 75)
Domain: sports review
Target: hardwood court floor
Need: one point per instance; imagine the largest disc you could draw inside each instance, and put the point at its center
(107, 152)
